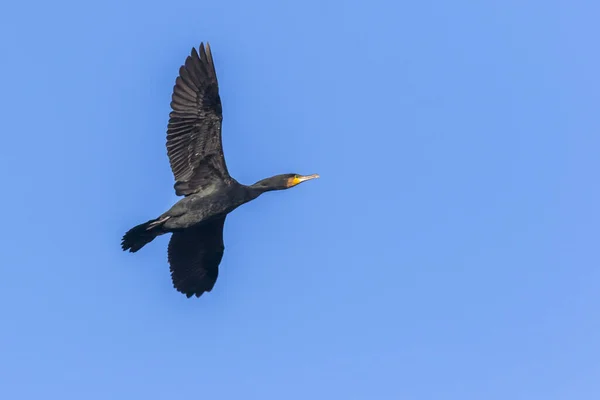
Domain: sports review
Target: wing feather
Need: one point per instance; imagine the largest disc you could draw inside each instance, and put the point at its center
(194, 257)
(194, 142)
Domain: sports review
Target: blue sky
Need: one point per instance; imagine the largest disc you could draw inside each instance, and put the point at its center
(449, 250)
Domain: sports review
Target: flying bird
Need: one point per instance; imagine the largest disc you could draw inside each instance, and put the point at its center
(195, 152)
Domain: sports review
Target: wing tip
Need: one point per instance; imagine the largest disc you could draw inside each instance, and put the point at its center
(202, 48)
(202, 56)
(198, 292)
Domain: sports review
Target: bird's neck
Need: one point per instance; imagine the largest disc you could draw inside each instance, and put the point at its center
(259, 188)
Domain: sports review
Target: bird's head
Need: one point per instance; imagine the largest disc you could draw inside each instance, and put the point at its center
(283, 181)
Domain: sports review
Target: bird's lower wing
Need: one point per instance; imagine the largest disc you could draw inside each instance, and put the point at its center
(194, 257)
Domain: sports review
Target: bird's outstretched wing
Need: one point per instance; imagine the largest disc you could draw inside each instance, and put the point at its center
(194, 257)
(194, 143)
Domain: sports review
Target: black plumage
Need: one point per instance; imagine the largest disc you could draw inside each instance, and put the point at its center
(194, 148)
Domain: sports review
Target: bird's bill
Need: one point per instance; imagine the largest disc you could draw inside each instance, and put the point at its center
(301, 178)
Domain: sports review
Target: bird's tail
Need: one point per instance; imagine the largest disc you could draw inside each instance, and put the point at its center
(142, 234)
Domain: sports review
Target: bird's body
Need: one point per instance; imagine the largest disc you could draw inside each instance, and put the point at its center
(199, 207)
(196, 157)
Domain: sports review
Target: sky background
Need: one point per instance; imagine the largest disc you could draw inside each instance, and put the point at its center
(449, 250)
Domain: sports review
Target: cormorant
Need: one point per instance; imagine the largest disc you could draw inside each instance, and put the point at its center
(194, 148)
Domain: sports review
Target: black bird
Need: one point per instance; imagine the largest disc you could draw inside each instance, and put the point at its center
(195, 153)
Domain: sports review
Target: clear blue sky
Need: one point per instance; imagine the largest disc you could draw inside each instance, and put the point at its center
(449, 250)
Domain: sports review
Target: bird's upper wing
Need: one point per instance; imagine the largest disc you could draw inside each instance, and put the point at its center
(194, 142)
(194, 257)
